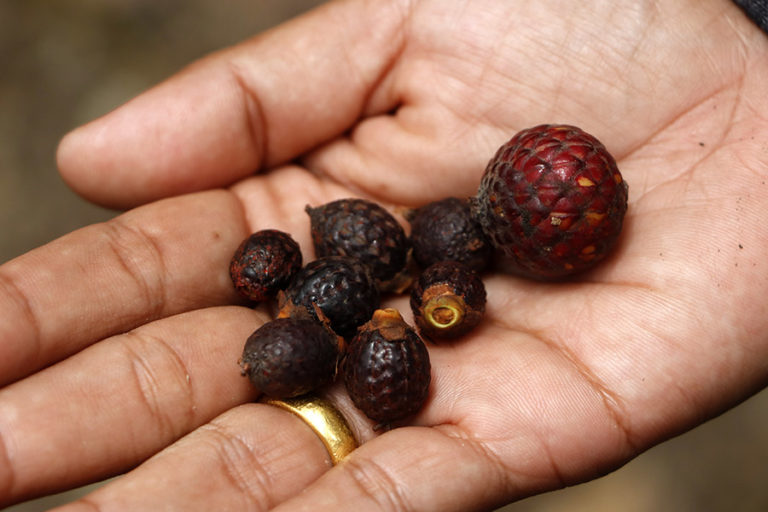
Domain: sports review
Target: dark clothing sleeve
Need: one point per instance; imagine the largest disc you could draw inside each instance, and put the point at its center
(756, 10)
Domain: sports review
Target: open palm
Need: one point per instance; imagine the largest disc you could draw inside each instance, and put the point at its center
(404, 103)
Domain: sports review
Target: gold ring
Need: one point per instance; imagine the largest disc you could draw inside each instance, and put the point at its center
(322, 417)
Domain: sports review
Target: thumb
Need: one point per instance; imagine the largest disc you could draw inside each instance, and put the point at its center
(251, 106)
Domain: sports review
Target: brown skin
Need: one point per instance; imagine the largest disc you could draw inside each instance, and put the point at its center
(580, 379)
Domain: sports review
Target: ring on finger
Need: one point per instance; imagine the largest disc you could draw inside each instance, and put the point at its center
(324, 419)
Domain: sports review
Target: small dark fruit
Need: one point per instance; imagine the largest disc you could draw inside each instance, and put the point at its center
(448, 300)
(445, 230)
(386, 368)
(360, 229)
(552, 200)
(291, 355)
(341, 287)
(264, 263)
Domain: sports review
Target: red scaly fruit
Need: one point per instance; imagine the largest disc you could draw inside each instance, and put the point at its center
(552, 200)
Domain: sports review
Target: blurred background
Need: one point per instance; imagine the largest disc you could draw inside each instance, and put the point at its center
(63, 63)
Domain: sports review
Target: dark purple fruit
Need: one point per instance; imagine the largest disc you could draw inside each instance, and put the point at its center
(446, 231)
(360, 229)
(291, 356)
(386, 369)
(342, 287)
(448, 300)
(264, 263)
(552, 200)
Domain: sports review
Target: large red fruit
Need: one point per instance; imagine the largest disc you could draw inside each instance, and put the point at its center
(552, 200)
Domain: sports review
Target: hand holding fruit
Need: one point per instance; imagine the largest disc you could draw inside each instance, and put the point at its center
(125, 332)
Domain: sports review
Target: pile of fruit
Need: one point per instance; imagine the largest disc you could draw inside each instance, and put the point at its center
(550, 203)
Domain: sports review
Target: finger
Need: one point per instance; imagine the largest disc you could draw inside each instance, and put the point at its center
(116, 403)
(257, 104)
(413, 468)
(148, 263)
(249, 458)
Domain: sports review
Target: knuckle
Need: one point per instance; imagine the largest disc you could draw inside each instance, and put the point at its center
(374, 483)
(162, 382)
(240, 466)
(15, 293)
(140, 259)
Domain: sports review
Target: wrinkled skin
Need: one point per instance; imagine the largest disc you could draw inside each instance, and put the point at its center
(403, 103)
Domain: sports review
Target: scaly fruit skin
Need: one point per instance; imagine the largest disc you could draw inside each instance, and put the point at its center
(290, 356)
(552, 200)
(264, 263)
(386, 368)
(445, 230)
(342, 287)
(448, 301)
(360, 229)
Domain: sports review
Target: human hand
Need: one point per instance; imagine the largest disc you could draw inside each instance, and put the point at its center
(403, 103)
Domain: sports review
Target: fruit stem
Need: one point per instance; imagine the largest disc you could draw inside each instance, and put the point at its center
(389, 323)
(445, 311)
